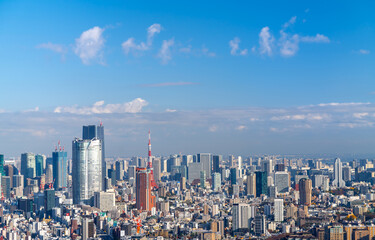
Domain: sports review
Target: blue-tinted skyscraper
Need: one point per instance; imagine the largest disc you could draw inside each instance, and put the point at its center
(59, 163)
(39, 166)
(28, 166)
(261, 183)
(2, 164)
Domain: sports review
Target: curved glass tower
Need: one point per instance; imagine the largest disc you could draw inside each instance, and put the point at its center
(87, 169)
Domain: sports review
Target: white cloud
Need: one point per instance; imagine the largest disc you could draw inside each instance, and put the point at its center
(130, 45)
(362, 51)
(151, 31)
(170, 110)
(36, 109)
(241, 128)
(266, 40)
(318, 38)
(165, 53)
(213, 128)
(99, 107)
(288, 44)
(90, 44)
(291, 21)
(58, 48)
(360, 115)
(206, 52)
(234, 45)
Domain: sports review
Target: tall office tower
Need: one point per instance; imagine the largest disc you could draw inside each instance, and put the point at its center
(239, 162)
(18, 181)
(305, 187)
(280, 167)
(203, 179)
(28, 165)
(87, 166)
(132, 172)
(338, 182)
(91, 132)
(216, 160)
(183, 183)
(157, 169)
(281, 181)
(216, 182)
(267, 166)
(120, 170)
(2, 164)
(251, 184)
(145, 201)
(186, 160)
(149, 163)
(260, 225)
(59, 168)
(194, 171)
(9, 171)
(5, 186)
(240, 216)
(261, 183)
(231, 161)
(206, 160)
(49, 173)
(39, 167)
(279, 210)
(234, 176)
(49, 201)
(251, 161)
(346, 174)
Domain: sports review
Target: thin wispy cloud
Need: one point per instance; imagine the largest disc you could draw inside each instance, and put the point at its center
(58, 48)
(130, 46)
(100, 107)
(165, 53)
(362, 51)
(89, 45)
(168, 84)
(234, 45)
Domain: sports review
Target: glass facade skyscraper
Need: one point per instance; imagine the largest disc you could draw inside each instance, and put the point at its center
(261, 183)
(2, 164)
(39, 166)
(28, 169)
(87, 166)
(90, 132)
(59, 163)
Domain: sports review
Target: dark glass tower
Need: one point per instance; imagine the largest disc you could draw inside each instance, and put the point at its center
(39, 168)
(2, 165)
(261, 183)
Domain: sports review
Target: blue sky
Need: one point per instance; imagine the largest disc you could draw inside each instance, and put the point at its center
(221, 76)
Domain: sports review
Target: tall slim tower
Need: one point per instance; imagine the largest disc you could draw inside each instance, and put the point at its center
(149, 163)
(59, 163)
(338, 182)
(87, 165)
(305, 186)
(91, 131)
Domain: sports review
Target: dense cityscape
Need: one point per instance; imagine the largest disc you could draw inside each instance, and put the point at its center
(200, 196)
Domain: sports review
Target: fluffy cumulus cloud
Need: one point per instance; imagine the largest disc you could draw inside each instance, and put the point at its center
(234, 45)
(362, 51)
(89, 45)
(100, 107)
(165, 53)
(288, 43)
(131, 46)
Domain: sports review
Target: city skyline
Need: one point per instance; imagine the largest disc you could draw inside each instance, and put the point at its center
(243, 79)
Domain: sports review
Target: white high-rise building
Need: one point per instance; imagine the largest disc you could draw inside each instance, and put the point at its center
(87, 169)
(216, 182)
(240, 216)
(279, 210)
(281, 181)
(338, 182)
